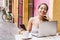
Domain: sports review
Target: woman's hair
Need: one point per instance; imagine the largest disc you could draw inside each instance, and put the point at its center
(43, 4)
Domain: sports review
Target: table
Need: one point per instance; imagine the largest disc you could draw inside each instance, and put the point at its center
(20, 37)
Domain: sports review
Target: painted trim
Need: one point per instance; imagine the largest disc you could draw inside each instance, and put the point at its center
(51, 9)
(25, 12)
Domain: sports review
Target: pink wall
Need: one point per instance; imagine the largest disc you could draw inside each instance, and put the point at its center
(38, 2)
(20, 8)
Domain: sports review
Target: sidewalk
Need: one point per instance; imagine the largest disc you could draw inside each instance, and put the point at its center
(7, 31)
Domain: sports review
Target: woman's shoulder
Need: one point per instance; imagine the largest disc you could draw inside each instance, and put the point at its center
(32, 18)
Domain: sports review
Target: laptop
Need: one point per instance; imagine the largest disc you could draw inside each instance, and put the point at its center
(47, 29)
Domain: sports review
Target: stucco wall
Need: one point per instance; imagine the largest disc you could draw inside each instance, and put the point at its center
(25, 12)
(56, 12)
(15, 10)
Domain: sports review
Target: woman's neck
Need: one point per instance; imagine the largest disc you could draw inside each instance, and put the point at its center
(43, 18)
(40, 17)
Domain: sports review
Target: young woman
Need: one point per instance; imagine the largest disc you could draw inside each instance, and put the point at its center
(33, 23)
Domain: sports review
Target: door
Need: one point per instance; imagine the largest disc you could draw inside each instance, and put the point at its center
(30, 8)
(20, 12)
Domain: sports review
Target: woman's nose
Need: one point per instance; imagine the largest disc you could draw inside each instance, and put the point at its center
(43, 10)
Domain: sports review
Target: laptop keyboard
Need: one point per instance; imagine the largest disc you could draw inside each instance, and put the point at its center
(47, 38)
(52, 38)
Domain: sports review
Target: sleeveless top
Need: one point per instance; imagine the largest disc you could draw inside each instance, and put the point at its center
(34, 27)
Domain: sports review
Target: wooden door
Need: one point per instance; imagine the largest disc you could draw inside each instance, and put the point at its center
(20, 12)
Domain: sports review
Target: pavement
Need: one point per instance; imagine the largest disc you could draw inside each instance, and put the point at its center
(7, 31)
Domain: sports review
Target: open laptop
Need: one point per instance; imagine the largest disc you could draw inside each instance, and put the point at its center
(47, 29)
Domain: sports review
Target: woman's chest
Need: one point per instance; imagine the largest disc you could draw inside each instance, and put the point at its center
(35, 22)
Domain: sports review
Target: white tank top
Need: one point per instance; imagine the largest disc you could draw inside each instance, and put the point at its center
(34, 28)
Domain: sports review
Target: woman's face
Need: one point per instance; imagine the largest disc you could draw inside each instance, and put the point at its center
(42, 10)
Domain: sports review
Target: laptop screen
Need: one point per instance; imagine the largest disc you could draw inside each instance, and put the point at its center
(47, 28)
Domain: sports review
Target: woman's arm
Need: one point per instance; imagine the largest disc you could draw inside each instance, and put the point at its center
(29, 27)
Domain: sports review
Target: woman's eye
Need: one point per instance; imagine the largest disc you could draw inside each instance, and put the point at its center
(41, 8)
(44, 9)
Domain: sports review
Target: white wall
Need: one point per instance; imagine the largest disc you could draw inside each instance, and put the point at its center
(3, 3)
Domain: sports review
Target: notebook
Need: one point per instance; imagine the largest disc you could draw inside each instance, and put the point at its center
(47, 29)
